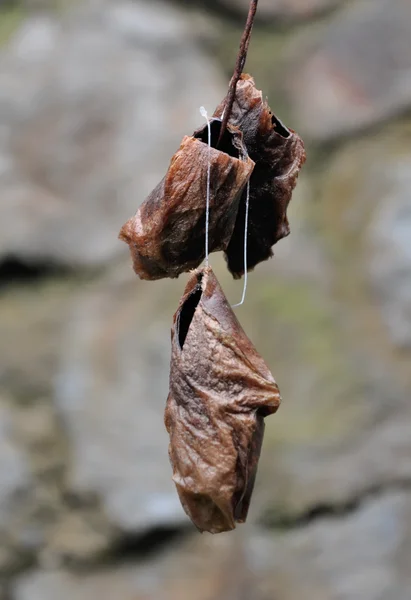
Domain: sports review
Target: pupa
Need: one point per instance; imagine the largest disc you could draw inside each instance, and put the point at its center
(166, 236)
(220, 392)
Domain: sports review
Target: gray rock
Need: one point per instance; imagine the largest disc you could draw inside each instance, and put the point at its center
(15, 483)
(125, 583)
(342, 426)
(92, 106)
(30, 325)
(15, 476)
(366, 196)
(389, 249)
(355, 71)
(363, 555)
(111, 391)
(365, 447)
(201, 567)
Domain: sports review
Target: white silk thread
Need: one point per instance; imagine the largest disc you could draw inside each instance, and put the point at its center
(207, 223)
(247, 205)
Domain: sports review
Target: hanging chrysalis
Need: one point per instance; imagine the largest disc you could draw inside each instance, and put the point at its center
(278, 153)
(220, 392)
(166, 236)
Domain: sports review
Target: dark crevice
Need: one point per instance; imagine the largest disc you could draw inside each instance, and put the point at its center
(333, 510)
(187, 313)
(280, 128)
(227, 141)
(14, 270)
(131, 547)
(23, 562)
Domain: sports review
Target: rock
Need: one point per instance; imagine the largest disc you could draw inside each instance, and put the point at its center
(300, 256)
(338, 408)
(365, 554)
(30, 325)
(345, 384)
(283, 9)
(78, 537)
(37, 519)
(203, 567)
(126, 583)
(389, 249)
(14, 471)
(111, 390)
(366, 210)
(354, 72)
(362, 554)
(92, 106)
(15, 483)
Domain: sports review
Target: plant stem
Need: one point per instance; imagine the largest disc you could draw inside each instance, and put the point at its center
(239, 66)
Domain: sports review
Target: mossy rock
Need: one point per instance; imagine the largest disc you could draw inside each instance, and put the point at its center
(10, 18)
(300, 337)
(353, 186)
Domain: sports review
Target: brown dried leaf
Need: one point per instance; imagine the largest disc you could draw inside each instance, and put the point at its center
(167, 235)
(278, 153)
(220, 392)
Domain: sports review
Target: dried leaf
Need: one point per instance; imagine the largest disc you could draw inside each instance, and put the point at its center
(278, 153)
(167, 235)
(220, 392)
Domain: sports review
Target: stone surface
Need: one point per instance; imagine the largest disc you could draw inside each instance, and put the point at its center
(33, 512)
(124, 583)
(15, 484)
(354, 71)
(92, 106)
(14, 470)
(364, 554)
(30, 324)
(389, 249)
(111, 390)
(339, 409)
(203, 567)
(369, 221)
(346, 379)
(346, 387)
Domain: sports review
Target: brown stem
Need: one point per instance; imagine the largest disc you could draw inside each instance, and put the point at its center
(239, 66)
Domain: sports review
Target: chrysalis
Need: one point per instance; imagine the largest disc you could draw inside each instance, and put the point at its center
(166, 236)
(278, 153)
(220, 392)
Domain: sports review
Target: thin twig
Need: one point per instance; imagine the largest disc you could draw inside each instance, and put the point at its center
(241, 58)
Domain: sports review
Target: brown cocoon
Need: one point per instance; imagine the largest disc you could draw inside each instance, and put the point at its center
(167, 235)
(220, 392)
(278, 153)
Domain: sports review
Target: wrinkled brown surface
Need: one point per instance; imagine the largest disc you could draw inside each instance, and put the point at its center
(167, 235)
(278, 154)
(220, 392)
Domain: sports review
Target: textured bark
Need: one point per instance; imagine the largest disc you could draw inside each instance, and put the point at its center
(167, 235)
(220, 392)
(278, 153)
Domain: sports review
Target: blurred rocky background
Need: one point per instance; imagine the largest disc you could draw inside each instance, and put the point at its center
(95, 96)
